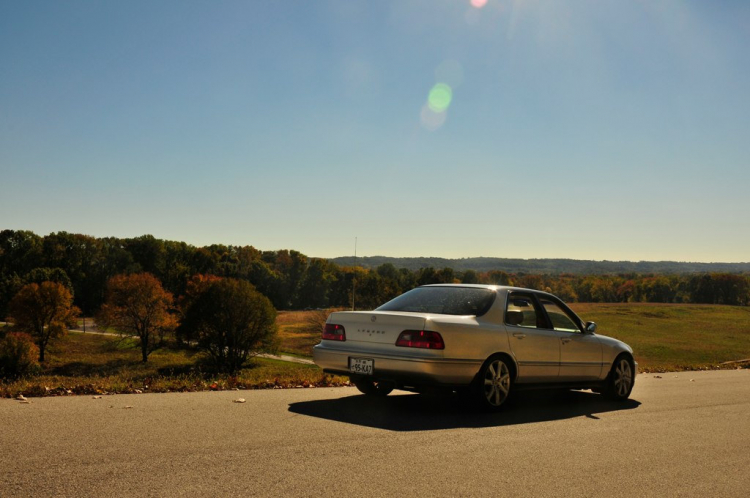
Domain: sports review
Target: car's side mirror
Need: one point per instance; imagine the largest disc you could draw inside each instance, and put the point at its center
(590, 327)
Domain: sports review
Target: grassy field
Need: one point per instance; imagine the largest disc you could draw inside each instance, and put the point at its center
(298, 335)
(675, 336)
(664, 337)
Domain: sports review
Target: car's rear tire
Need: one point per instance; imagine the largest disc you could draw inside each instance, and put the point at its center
(493, 384)
(373, 388)
(621, 378)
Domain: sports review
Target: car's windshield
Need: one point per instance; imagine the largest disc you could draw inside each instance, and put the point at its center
(443, 300)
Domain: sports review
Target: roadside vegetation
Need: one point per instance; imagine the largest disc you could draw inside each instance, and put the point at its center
(99, 364)
(664, 337)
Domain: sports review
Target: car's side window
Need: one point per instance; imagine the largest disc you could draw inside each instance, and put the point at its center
(560, 319)
(522, 311)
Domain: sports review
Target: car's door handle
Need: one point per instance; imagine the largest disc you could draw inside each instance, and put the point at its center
(520, 335)
(566, 340)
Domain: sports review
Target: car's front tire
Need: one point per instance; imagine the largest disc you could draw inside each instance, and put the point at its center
(373, 388)
(494, 383)
(621, 378)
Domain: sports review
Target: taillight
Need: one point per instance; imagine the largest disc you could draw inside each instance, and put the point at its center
(334, 332)
(420, 339)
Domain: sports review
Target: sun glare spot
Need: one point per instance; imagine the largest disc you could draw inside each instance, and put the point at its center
(430, 119)
(478, 3)
(440, 97)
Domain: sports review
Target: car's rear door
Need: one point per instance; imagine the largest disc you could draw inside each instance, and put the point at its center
(536, 347)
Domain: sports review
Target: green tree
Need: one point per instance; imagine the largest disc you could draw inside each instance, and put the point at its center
(231, 321)
(496, 277)
(39, 275)
(427, 276)
(446, 276)
(78, 256)
(20, 252)
(469, 277)
(9, 286)
(407, 280)
(315, 286)
(148, 252)
(45, 311)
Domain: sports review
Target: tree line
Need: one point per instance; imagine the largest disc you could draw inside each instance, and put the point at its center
(552, 266)
(292, 280)
(227, 318)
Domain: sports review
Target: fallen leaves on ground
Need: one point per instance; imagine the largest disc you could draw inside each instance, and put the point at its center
(40, 390)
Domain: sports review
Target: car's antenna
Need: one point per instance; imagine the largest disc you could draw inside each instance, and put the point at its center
(354, 275)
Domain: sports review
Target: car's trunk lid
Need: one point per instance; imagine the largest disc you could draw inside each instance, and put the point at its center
(380, 327)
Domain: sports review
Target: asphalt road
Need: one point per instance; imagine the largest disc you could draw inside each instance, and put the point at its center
(684, 434)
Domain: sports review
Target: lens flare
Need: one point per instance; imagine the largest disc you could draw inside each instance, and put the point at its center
(430, 119)
(440, 97)
(478, 3)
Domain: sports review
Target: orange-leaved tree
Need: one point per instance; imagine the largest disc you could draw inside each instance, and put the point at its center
(137, 305)
(45, 311)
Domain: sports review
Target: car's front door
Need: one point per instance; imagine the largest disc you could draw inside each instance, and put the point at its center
(536, 348)
(580, 352)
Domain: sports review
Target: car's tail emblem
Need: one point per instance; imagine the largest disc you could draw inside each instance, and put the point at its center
(371, 332)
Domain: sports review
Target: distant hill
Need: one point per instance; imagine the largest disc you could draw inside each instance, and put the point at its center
(547, 266)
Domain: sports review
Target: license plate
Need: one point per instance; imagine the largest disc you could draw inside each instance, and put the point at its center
(361, 366)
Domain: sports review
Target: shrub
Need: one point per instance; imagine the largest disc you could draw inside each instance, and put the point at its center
(231, 321)
(18, 355)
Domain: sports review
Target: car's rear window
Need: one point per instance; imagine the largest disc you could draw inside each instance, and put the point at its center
(443, 300)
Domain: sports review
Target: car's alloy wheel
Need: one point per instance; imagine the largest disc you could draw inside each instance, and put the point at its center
(373, 388)
(495, 383)
(621, 379)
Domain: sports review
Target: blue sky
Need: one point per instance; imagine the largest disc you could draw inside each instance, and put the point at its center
(586, 129)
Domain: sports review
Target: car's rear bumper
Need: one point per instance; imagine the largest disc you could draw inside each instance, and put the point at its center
(400, 369)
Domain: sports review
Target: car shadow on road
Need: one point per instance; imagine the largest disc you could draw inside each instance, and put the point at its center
(421, 412)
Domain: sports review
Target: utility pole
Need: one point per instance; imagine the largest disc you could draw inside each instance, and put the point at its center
(354, 276)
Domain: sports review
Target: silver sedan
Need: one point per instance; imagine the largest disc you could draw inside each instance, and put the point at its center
(483, 339)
